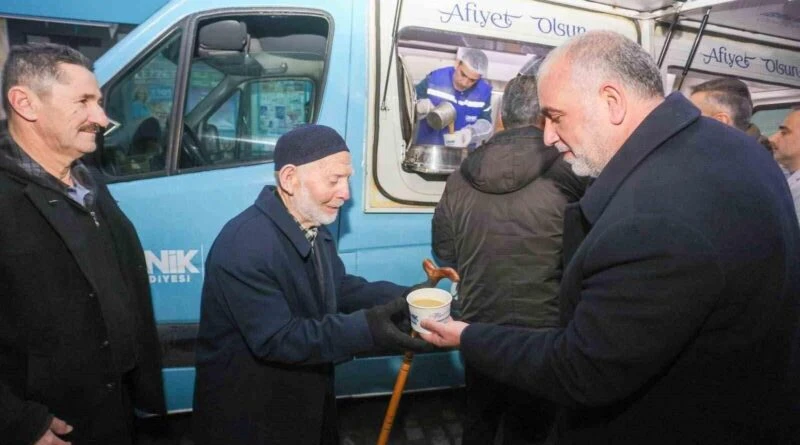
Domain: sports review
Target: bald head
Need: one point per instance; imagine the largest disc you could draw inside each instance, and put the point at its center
(598, 56)
(594, 91)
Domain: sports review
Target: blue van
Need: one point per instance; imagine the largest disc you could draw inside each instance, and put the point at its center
(202, 90)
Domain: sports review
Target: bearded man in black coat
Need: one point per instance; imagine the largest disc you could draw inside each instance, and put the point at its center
(679, 300)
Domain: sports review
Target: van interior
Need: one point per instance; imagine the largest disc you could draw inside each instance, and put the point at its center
(251, 79)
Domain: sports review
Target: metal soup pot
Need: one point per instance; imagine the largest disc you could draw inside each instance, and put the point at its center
(434, 159)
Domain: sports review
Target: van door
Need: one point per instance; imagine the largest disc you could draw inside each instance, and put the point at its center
(199, 113)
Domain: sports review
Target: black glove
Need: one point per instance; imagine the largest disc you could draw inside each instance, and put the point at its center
(385, 333)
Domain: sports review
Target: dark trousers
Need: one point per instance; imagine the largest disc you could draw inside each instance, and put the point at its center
(330, 421)
(497, 413)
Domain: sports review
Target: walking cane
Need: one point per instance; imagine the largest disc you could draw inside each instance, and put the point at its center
(434, 275)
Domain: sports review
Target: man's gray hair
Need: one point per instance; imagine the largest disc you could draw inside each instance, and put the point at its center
(36, 65)
(597, 56)
(520, 102)
(731, 95)
(475, 59)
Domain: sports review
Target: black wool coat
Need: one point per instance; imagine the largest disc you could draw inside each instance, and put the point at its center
(55, 296)
(678, 306)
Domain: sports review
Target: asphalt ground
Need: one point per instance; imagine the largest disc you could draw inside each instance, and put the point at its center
(425, 418)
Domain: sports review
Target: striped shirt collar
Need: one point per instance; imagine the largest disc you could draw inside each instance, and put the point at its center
(310, 232)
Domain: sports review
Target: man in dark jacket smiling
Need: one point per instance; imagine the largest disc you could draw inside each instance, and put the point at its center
(500, 222)
(78, 344)
(680, 295)
(278, 309)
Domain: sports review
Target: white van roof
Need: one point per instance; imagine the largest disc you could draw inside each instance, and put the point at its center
(777, 18)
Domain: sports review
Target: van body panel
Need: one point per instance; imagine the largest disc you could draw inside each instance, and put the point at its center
(89, 10)
(734, 57)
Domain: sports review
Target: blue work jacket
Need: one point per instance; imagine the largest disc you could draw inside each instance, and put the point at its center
(471, 104)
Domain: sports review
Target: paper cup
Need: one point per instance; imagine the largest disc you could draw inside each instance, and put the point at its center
(429, 302)
(450, 140)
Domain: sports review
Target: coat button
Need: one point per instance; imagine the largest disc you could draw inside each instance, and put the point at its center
(104, 344)
(110, 386)
(91, 295)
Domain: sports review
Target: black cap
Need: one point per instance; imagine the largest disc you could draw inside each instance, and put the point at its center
(307, 143)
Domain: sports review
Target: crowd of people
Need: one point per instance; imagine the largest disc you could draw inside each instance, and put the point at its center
(631, 268)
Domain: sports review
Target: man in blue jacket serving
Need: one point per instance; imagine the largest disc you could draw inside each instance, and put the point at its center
(463, 86)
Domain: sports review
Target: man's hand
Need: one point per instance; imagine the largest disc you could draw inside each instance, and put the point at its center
(443, 335)
(423, 107)
(382, 320)
(57, 428)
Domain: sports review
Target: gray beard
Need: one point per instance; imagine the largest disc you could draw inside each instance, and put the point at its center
(311, 210)
(582, 168)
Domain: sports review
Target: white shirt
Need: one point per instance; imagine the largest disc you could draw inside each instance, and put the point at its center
(794, 187)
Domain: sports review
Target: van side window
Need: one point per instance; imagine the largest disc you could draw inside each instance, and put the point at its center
(769, 118)
(252, 79)
(141, 102)
(218, 131)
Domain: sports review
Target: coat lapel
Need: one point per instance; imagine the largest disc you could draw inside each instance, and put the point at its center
(669, 118)
(274, 209)
(53, 208)
(326, 247)
(575, 230)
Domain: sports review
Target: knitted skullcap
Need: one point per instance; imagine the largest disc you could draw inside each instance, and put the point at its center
(307, 143)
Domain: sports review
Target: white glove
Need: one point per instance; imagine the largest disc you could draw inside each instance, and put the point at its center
(460, 138)
(423, 107)
(482, 130)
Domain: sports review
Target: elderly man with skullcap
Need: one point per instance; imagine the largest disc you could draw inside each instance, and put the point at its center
(279, 310)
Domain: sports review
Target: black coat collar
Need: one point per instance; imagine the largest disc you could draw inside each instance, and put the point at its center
(669, 118)
(275, 210)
